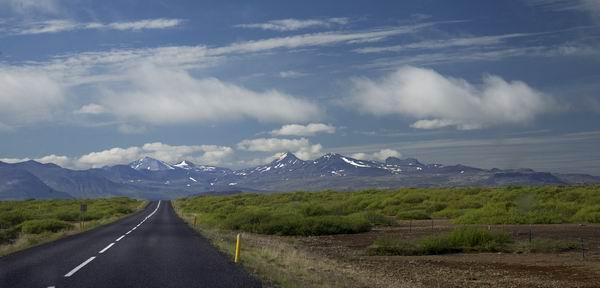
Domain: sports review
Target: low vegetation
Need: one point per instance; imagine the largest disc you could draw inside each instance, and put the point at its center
(30, 222)
(465, 240)
(287, 262)
(329, 212)
(279, 262)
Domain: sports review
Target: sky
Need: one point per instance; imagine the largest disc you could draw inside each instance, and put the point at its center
(506, 84)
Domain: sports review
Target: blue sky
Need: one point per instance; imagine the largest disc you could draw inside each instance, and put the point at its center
(503, 84)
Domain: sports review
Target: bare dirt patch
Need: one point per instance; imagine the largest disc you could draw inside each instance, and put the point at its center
(564, 269)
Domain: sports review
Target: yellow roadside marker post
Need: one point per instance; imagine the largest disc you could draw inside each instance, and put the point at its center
(237, 249)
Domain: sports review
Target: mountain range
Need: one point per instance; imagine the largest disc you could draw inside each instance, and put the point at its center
(153, 179)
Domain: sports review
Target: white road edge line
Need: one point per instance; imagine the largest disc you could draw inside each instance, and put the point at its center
(119, 239)
(106, 248)
(80, 266)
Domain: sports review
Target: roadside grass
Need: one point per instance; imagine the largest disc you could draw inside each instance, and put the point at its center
(465, 240)
(277, 261)
(27, 223)
(266, 222)
(330, 212)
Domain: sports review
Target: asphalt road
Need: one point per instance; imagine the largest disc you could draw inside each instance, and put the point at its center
(161, 252)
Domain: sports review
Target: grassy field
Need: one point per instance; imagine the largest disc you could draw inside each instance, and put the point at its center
(466, 240)
(269, 219)
(325, 213)
(31, 222)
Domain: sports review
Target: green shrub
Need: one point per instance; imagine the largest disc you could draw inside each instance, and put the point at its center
(44, 225)
(7, 235)
(68, 215)
(413, 215)
(590, 214)
(389, 245)
(301, 213)
(295, 224)
(465, 239)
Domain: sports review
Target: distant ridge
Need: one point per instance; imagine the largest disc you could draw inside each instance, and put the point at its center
(154, 179)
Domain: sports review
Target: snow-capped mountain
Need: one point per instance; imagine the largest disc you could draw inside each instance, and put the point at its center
(339, 165)
(188, 165)
(152, 178)
(285, 164)
(150, 164)
(185, 165)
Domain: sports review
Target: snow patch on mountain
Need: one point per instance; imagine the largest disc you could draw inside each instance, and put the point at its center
(150, 164)
(362, 165)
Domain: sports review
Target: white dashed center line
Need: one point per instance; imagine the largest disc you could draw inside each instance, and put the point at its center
(80, 266)
(106, 248)
(109, 245)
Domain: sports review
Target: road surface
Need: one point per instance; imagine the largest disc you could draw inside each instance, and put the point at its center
(153, 248)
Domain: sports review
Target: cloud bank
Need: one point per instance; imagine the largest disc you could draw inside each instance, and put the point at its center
(205, 154)
(301, 147)
(56, 26)
(437, 101)
(380, 155)
(311, 129)
(170, 96)
(28, 96)
(141, 85)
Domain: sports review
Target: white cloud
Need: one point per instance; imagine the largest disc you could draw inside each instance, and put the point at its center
(476, 55)
(13, 160)
(291, 74)
(61, 25)
(145, 24)
(438, 101)
(380, 155)
(109, 157)
(446, 43)
(302, 147)
(303, 130)
(62, 161)
(273, 144)
(91, 108)
(317, 39)
(154, 85)
(59, 160)
(201, 154)
(27, 96)
(295, 24)
(309, 152)
(215, 155)
(168, 96)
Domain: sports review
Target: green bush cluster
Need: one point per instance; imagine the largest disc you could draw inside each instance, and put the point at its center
(331, 212)
(41, 216)
(464, 239)
(296, 224)
(39, 226)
